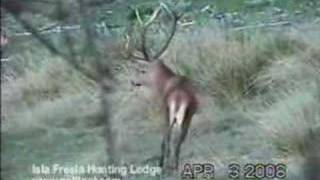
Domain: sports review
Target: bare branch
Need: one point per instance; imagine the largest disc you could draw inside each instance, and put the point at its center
(105, 87)
(50, 46)
(73, 60)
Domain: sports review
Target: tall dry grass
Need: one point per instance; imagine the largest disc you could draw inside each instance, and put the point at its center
(262, 89)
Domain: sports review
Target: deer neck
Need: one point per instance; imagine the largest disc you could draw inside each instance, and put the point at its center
(162, 75)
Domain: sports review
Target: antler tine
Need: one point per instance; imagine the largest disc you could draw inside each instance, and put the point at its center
(175, 17)
(145, 26)
(143, 44)
(153, 17)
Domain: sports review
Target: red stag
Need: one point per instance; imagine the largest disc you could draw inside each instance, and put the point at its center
(176, 93)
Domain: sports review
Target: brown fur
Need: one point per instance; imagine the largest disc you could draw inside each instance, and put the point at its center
(172, 90)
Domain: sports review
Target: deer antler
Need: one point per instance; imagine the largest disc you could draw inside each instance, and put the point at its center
(145, 25)
(172, 32)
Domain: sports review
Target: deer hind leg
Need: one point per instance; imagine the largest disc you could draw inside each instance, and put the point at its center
(165, 147)
(165, 151)
(179, 123)
(181, 136)
(180, 133)
(174, 137)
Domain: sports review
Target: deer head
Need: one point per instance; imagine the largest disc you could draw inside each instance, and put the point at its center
(153, 71)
